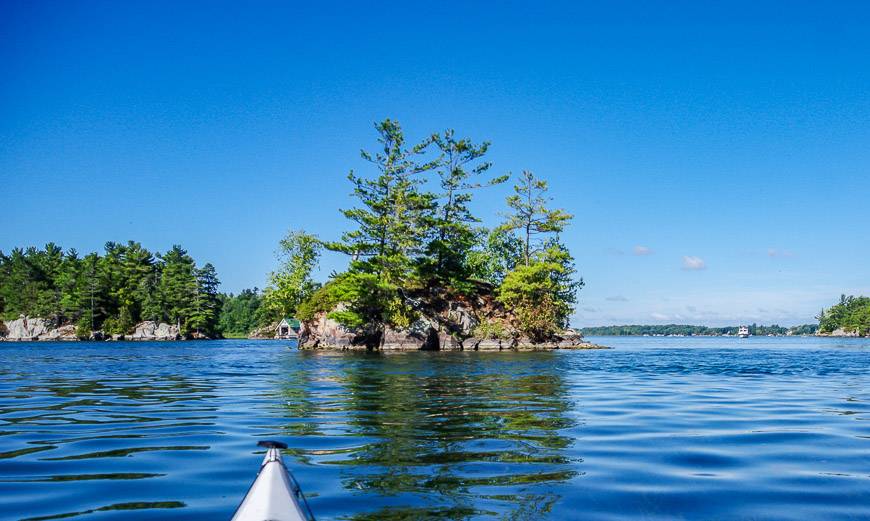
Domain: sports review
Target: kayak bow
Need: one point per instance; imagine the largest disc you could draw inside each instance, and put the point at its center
(274, 495)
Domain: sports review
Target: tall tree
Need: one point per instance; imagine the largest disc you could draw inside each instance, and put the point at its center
(390, 228)
(291, 283)
(452, 222)
(178, 286)
(204, 316)
(530, 216)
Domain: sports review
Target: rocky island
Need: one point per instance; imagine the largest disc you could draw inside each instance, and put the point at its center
(423, 273)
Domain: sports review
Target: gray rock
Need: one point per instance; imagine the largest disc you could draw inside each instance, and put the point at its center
(150, 330)
(65, 333)
(26, 329)
(484, 344)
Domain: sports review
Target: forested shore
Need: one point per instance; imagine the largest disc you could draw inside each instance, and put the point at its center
(109, 293)
(849, 317)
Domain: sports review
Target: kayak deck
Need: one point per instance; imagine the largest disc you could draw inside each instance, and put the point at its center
(274, 495)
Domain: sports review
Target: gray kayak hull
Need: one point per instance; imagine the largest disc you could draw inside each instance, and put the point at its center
(274, 495)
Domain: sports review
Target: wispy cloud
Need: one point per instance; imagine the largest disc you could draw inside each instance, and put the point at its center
(692, 263)
(642, 250)
(614, 251)
(659, 316)
(617, 298)
(590, 310)
(773, 252)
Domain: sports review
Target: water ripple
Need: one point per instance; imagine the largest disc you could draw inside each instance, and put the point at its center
(654, 429)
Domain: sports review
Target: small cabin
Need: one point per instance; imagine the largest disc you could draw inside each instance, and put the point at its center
(288, 328)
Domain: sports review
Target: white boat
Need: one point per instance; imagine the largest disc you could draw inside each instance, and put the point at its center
(274, 495)
(743, 332)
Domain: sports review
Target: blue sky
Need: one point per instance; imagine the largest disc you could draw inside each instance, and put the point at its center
(715, 154)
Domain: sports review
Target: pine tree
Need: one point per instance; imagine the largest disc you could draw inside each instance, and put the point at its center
(391, 227)
(452, 222)
(530, 215)
(178, 286)
(206, 306)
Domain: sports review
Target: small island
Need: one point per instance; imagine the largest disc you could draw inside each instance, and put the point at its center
(423, 273)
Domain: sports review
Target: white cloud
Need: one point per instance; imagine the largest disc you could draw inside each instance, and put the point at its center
(590, 310)
(614, 251)
(659, 316)
(692, 263)
(642, 250)
(617, 298)
(773, 252)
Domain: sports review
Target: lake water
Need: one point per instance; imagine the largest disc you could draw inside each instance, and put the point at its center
(657, 428)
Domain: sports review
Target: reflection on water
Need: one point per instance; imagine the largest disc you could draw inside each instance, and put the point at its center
(657, 428)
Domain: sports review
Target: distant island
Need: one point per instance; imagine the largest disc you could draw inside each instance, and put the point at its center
(689, 330)
(850, 317)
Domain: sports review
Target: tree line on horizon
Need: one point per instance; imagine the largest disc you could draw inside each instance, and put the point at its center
(690, 330)
(110, 292)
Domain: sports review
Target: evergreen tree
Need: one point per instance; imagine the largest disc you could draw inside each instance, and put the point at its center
(530, 215)
(240, 313)
(206, 306)
(178, 287)
(541, 290)
(391, 227)
(452, 222)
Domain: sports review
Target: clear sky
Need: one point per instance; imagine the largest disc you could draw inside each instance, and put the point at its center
(715, 154)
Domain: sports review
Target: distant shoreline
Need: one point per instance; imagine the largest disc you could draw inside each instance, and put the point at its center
(664, 330)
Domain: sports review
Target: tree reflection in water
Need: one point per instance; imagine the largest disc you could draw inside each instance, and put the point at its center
(449, 435)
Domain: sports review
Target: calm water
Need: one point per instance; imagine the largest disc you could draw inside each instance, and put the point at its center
(657, 428)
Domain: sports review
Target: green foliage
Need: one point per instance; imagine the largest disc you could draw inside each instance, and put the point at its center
(408, 244)
(488, 329)
(496, 254)
(324, 299)
(850, 314)
(530, 216)
(451, 222)
(239, 313)
(291, 284)
(369, 302)
(392, 221)
(206, 304)
(541, 293)
(112, 292)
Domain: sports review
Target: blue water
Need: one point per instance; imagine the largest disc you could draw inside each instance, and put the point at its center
(657, 428)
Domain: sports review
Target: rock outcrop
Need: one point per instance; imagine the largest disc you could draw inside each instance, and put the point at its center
(65, 333)
(841, 332)
(266, 332)
(24, 329)
(35, 329)
(150, 330)
(446, 322)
